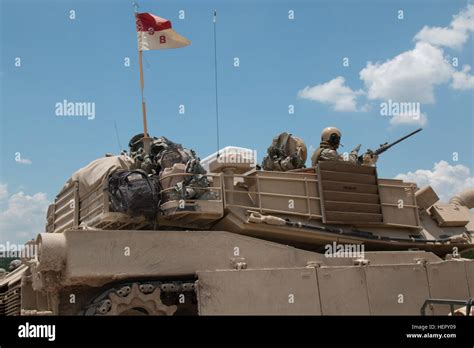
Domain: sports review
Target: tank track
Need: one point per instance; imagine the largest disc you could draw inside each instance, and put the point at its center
(146, 298)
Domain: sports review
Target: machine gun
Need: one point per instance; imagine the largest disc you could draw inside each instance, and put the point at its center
(386, 146)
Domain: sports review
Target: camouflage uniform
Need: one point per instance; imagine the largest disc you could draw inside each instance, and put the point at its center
(286, 152)
(327, 153)
(327, 150)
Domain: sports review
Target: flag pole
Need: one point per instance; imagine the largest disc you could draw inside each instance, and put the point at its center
(142, 87)
(146, 142)
(214, 20)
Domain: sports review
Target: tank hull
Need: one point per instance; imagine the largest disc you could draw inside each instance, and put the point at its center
(231, 274)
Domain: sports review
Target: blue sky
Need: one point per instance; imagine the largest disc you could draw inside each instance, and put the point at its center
(83, 60)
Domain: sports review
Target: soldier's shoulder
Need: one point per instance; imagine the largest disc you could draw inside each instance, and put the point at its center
(328, 150)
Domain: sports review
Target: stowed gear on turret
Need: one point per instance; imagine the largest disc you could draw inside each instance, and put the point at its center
(152, 178)
(166, 157)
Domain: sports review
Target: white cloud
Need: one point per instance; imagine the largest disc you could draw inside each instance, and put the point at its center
(334, 93)
(453, 36)
(22, 216)
(464, 20)
(462, 80)
(409, 77)
(413, 75)
(3, 191)
(409, 119)
(442, 36)
(447, 180)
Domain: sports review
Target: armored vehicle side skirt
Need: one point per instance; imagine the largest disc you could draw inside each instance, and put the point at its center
(226, 273)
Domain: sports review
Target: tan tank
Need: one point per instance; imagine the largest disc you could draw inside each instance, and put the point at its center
(331, 240)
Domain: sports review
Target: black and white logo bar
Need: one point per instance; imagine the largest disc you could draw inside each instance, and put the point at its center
(37, 331)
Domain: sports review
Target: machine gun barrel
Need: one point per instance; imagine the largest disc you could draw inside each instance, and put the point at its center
(386, 146)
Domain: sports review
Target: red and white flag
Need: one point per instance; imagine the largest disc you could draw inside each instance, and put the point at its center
(155, 33)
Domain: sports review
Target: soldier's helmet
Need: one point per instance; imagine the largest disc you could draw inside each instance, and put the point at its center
(136, 142)
(331, 136)
(14, 265)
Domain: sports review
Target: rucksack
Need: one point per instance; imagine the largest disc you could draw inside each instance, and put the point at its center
(134, 193)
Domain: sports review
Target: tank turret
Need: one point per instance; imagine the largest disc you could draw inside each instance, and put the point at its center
(162, 233)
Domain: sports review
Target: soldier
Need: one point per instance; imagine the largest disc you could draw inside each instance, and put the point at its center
(286, 152)
(142, 159)
(160, 160)
(327, 150)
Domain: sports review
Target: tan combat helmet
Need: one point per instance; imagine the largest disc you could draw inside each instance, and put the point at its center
(299, 147)
(331, 136)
